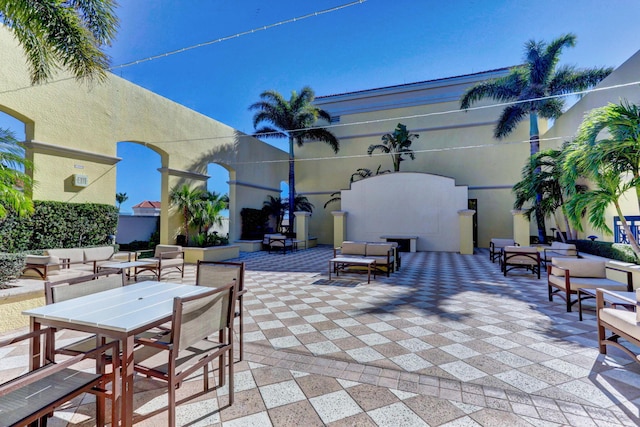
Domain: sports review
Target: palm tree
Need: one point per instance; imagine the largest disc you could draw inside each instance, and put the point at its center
(610, 189)
(67, 33)
(276, 207)
(293, 119)
(613, 162)
(546, 182)
(529, 87)
(14, 183)
(207, 210)
(303, 204)
(397, 144)
(187, 200)
(121, 198)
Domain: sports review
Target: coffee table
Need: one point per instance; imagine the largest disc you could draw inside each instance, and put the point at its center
(341, 263)
(125, 265)
(587, 293)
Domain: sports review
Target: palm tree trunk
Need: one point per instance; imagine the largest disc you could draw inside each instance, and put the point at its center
(185, 213)
(292, 184)
(534, 145)
(396, 162)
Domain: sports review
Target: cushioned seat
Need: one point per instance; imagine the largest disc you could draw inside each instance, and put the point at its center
(165, 257)
(620, 322)
(526, 257)
(496, 245)
(559, 250)
(567, 275)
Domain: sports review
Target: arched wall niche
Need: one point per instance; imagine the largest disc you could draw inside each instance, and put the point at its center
(408, 204)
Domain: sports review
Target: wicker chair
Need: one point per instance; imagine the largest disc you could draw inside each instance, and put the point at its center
(215, 274)
(189, 347)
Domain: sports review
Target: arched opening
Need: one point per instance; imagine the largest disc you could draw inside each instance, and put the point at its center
(218, 184)
(14, 125)
(138, 188)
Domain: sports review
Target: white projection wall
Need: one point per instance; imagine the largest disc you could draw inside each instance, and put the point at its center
(406, 203)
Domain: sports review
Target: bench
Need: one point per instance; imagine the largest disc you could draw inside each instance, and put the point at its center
(383, 253)
(33, 396)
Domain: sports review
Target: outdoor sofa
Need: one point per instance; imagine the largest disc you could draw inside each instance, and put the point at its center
(567, 275)
(383, 253)
(89, 259)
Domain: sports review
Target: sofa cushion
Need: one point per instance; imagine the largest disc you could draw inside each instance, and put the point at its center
(559, 249)
(377, 249)
(168, 248)
(353, 248)
(42, 260)
(622, 320)
(580, 267)
(100, 253)
(75, 255)
(587, 283)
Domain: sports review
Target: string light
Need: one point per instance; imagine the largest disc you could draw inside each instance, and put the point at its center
(338, 125)
(234, 36)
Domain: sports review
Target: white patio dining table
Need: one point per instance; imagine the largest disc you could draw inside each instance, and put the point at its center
(119, 314)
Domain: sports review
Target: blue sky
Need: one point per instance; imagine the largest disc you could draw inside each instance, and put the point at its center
(372, 44)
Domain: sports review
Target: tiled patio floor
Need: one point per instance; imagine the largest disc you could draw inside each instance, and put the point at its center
(447, 340)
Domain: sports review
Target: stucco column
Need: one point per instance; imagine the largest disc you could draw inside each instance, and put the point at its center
(520, 228)
(339, 227)
(465, 218)
(302, 227)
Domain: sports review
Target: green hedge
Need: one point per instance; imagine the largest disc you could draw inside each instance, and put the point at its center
(11, 266)
(617, 251)
(59, 225)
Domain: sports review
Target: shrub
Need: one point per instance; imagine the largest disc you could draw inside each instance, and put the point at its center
(59, 225)
(254, 223)
(11, 266)
(617, 251)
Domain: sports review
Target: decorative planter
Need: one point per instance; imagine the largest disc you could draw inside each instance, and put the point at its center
(212, 253)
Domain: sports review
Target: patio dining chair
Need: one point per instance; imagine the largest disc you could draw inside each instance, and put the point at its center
(76, 287)
(189, 346)
(215, 274)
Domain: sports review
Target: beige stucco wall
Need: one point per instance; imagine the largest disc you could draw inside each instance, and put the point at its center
(73, 128)
(452, 143)
(565, 128)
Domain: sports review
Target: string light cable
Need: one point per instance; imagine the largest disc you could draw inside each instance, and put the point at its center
(208, 43)
(244, 33)
(408, 117)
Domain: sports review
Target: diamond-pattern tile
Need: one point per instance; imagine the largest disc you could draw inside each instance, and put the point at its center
(447, 340)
